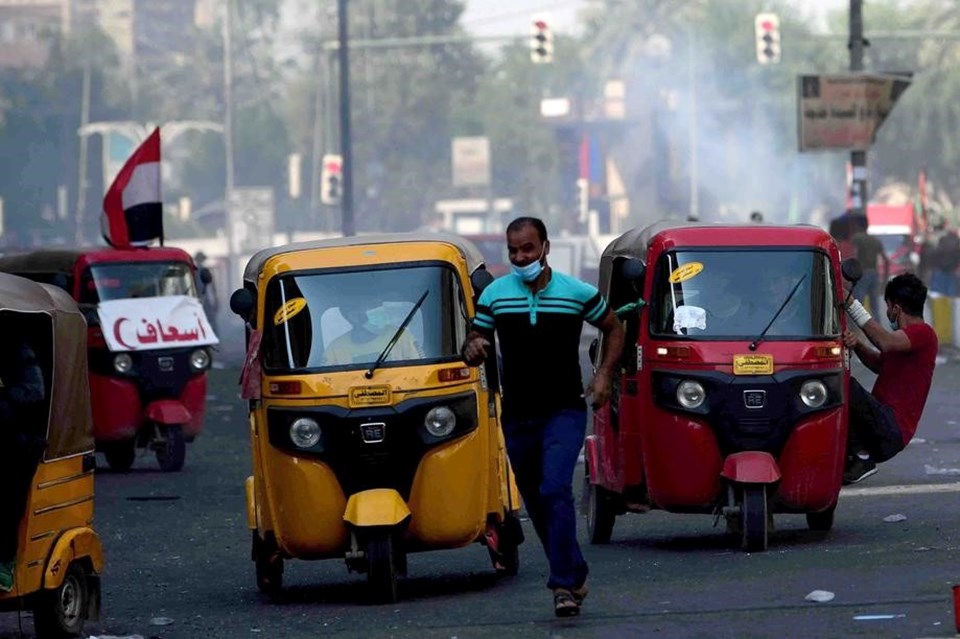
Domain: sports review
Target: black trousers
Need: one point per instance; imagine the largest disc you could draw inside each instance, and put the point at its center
(873, 426)
(18, 463)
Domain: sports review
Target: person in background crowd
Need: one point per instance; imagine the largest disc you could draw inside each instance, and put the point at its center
(946, 260)
(208, 292)
(869, 251)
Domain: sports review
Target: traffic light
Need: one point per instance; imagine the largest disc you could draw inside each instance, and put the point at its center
(541, 39)
(583, 199)
(768, 38)
(331, 179)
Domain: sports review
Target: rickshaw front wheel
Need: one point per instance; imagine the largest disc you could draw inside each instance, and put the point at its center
(753, 515)
(62, 611)
(382, 568)
(173, 450)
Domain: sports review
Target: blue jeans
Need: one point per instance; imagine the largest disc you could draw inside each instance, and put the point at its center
(944, 282)
(543, 452)
(869, 288)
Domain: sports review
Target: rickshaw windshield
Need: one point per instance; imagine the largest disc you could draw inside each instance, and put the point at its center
(346, 319)
(116, 281)
(735, 294)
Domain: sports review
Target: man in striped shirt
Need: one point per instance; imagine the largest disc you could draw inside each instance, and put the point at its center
(538, 315)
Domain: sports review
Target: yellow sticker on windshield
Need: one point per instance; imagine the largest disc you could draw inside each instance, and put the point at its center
(288, 310)
(685, 272)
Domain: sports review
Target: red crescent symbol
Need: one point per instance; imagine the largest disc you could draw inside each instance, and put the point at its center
(116, 333)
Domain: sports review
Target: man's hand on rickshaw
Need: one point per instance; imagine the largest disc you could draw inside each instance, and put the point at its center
(475, 350)
(598, 389)
(850, 339)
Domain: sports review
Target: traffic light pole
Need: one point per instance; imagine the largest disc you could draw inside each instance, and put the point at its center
(858, 159)
(346, 150)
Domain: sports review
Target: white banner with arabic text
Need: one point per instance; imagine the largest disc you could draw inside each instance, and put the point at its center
(148, 323)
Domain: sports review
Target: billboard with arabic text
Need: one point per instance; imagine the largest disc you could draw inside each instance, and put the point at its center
(845, 110)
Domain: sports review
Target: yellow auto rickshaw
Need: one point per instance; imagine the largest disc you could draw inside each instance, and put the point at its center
(371, 438)
(59, 556)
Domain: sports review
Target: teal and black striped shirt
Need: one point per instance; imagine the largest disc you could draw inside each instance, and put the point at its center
(539, 340)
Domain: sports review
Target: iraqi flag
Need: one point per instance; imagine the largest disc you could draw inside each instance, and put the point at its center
(132, 208)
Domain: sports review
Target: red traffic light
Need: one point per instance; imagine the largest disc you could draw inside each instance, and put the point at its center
(768, 25)
(540, 24)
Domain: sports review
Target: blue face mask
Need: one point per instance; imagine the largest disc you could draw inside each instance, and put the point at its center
(531, 271)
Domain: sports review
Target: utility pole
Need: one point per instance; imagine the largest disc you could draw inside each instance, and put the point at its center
(228, 138)
(346, 151)
(858, 159)
(694, 211)
(82, 171)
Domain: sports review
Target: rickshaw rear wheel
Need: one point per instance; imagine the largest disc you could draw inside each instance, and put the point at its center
(753, 514)
(269, 567)
(506, 559)
(600, 511)
(172, 452)
(821, 521)
(382, 568)
(120, 455)
(62, 611)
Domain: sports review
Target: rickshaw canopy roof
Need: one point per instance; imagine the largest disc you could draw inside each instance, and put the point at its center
(65, 260)
(635, 243)
(470, 252)
(69, 426)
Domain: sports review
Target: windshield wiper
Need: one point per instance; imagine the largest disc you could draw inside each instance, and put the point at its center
(396, 336)
(756, 342)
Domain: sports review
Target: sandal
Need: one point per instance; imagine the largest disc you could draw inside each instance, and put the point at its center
(579, 594)
(565, 603)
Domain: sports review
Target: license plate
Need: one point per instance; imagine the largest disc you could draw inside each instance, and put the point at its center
(754, 398)
(373, 433)
(753, 364)
(370, 396)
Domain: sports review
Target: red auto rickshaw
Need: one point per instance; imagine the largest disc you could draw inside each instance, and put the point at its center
(149, 343)
(730, 395)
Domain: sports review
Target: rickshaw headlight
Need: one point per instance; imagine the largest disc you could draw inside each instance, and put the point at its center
(813, 393)
(122, 362)
(440, 421)
(690, 394)
(305, 433)
(199, 359)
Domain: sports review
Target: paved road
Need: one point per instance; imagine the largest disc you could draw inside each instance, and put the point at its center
(177, 548)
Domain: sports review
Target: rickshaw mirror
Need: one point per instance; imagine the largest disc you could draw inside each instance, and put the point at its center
(851, 270)
(633, 270)
(205, 275)
(481, 279)
(242, 302)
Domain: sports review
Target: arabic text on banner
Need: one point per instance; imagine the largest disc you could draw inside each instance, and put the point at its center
(149, 323)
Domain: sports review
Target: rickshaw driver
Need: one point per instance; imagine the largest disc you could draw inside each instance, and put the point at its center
(538, 315)
(21, 386)
(364, 343)
(883, 422)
